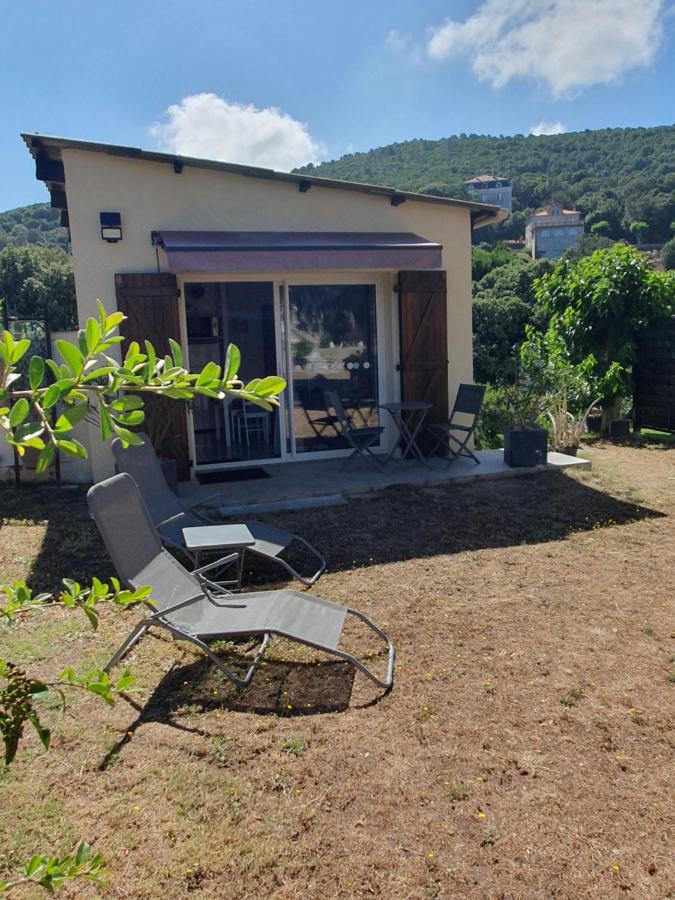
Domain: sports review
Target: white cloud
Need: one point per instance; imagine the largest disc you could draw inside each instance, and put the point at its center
(548, 128)
(205, 125)
(567, 44)
(401, 43)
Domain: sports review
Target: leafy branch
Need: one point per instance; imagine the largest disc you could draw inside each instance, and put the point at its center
(87, 374)
(19, 691)
(51, 872)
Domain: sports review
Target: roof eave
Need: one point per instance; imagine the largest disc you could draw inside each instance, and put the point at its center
(43, 146)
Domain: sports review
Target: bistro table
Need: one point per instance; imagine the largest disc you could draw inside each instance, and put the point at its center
(201, 539)
(407, 430)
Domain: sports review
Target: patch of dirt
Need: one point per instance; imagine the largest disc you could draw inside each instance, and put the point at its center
(526, 750)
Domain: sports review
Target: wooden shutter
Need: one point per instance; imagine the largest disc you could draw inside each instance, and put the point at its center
(424, 340)
(150, 301)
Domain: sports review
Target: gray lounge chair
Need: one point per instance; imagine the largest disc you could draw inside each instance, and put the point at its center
(195, 609)
(170, 515)
(359, 439)
(468, 403)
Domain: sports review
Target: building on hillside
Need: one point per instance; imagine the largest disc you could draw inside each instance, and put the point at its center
(552, 230)
(490, 189)
(329, 283)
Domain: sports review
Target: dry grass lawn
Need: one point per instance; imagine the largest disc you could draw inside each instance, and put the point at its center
(526, 750)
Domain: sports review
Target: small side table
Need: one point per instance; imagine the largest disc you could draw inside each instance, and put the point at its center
(409, 430)
(210, 538)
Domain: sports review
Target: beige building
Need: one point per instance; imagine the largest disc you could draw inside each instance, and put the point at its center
(334, 285)
(552, 230)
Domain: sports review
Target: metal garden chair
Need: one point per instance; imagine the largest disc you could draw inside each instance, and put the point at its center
(193, 608)
(170, 515)
(454, 435)
(359, 439)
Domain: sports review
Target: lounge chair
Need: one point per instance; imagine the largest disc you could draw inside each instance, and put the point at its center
(468, 403)
(359, 439)
(170, 515)
(197, 610)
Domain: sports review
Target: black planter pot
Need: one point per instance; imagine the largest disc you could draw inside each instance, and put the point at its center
(525, 446)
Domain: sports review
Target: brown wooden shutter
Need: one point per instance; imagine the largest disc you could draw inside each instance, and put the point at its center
(150, 301)
(424, 340)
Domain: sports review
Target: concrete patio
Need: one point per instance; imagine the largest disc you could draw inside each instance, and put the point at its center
(314, 483)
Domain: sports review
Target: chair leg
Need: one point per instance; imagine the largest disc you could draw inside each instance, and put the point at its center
(121, 652)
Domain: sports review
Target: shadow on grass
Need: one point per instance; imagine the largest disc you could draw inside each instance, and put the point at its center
(406, 522)
(280, 688)
(395, 524)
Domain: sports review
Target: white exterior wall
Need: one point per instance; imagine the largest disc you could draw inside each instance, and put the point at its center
(150, 197)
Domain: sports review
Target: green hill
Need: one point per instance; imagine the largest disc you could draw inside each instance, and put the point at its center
(614, 176)
(36, 224)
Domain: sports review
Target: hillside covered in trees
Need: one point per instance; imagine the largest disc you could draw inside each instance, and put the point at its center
(615, 176)
(36, 224)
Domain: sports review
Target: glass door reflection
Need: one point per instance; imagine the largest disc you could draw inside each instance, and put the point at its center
(333, 342)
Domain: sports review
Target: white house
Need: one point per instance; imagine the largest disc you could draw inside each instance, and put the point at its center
(328, 283)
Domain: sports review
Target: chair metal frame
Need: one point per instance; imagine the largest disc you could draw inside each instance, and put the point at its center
(468, 401)
(360, 439)
(153, 561)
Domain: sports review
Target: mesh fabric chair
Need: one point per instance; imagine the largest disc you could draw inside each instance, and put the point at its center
(170, 515)
(359, 439)
(195, 609)
(454, 435)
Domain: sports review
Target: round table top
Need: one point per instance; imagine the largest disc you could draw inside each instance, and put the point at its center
(404, 405)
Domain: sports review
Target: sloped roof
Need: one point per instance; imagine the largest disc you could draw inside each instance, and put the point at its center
(47, 150)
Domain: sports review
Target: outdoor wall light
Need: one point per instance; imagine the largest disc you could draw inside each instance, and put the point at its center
(111, 227)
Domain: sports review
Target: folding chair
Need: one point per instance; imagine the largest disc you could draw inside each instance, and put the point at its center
(468, 402)
(193, 608)
(170, 515)
(359, 439)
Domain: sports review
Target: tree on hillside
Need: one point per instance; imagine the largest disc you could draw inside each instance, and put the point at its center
(668, 254)
(602, 302)
(37, 282)
(36, 224)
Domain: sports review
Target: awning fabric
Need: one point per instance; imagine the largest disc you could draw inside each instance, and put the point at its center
(191, 252)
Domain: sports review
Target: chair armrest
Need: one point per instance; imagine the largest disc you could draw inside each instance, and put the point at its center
(223, 561)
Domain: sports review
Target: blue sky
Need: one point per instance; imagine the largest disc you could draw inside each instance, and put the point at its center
(280, 83)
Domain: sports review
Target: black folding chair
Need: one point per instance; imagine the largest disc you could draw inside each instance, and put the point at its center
(359, 439)
(468, 404)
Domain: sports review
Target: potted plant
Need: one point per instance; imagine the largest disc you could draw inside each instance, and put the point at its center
(566, 387)
(525, 442)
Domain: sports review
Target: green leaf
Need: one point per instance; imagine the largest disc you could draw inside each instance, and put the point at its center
(232, 363)
(273, 385)
(93, 333)
(71, 416)
(176, 352)
(92, 615)
(132, 418)
(83, 853)
(42, 731)
(45, 458)
(127, 402)
(106, 422)
(36, 372)
(56, 392)
(72, 447)
(71, 356)
(19, 412)
(129, 438)
(19, 350)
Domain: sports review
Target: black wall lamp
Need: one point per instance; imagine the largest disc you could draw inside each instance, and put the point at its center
(111, 227)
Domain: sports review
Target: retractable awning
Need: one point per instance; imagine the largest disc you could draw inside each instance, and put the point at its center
(192, 252)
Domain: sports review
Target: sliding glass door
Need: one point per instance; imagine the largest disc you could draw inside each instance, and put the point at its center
(241, 313)
(332, 346)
